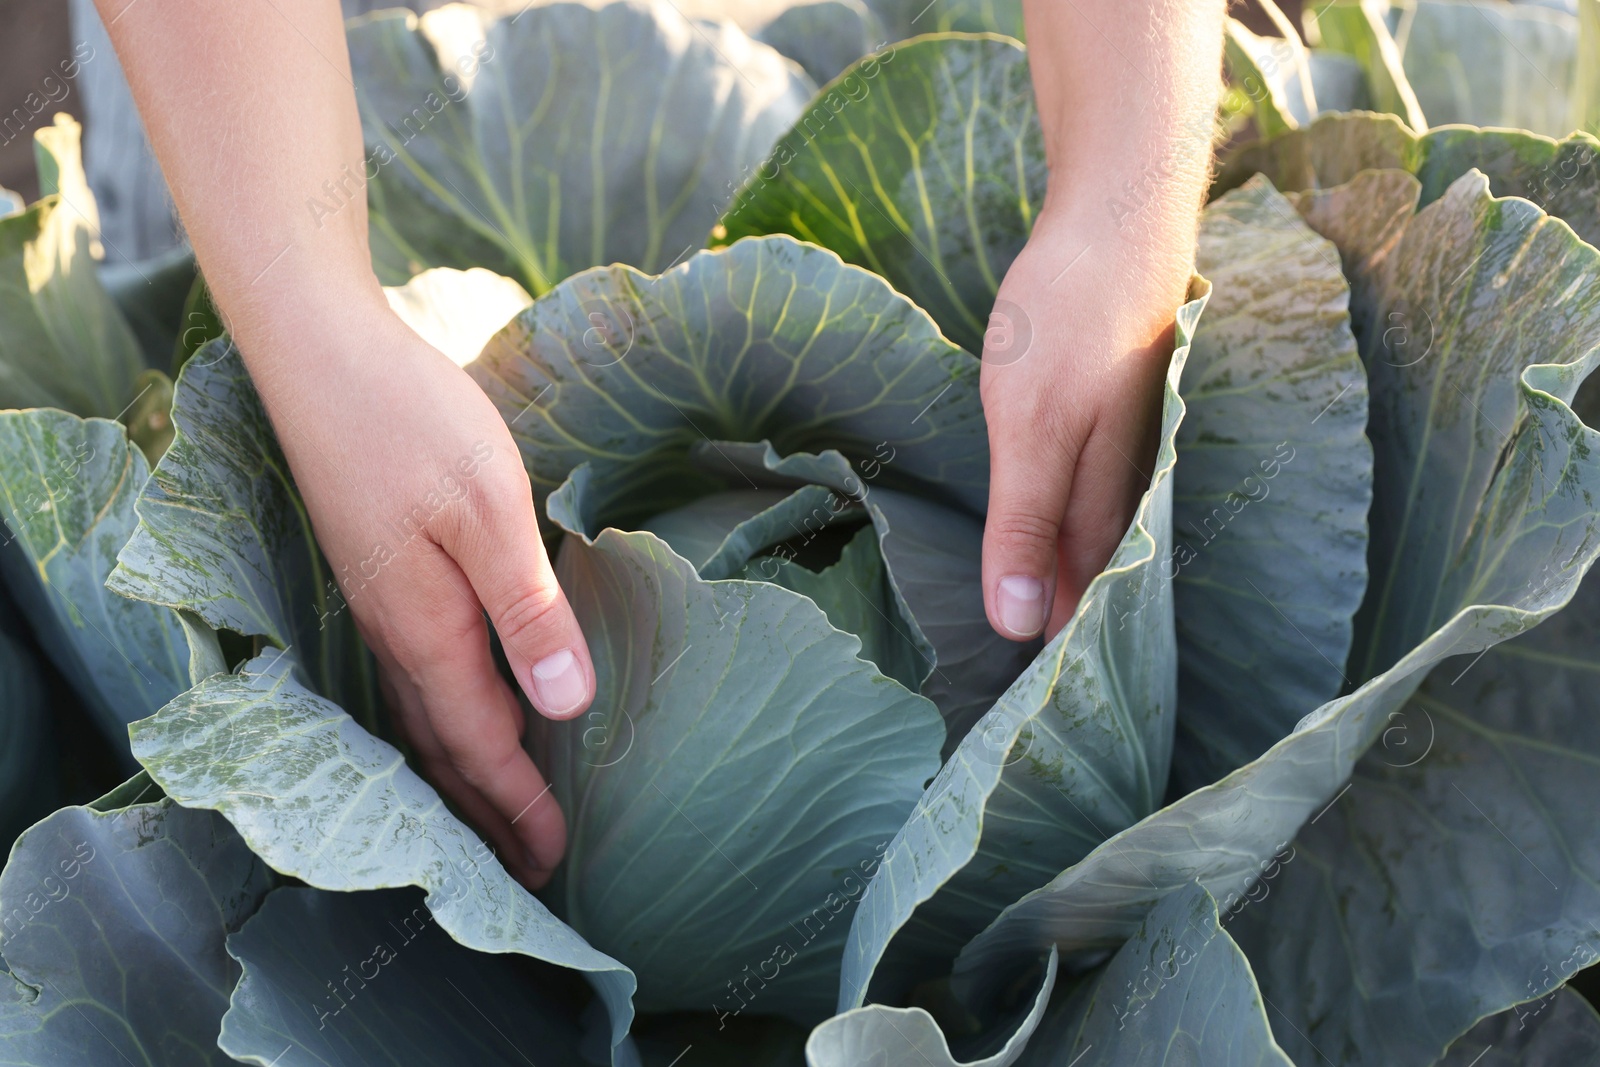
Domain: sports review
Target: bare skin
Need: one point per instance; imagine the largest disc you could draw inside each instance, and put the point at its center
(250, 109)
(1126, 94)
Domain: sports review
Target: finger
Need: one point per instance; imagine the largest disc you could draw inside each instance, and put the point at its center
(1030, 481)
(435, 765)
(440, 641)
(497, 547)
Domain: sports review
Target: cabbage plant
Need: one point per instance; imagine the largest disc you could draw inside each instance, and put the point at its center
(1306, 778)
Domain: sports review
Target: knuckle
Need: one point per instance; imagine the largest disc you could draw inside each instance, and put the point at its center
(1023, 532)
(483, 756)
(531, 612)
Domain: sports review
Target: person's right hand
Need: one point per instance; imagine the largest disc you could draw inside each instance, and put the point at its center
(420, 502)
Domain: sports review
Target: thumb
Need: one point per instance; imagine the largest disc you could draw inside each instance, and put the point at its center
(504, 559)
(1030, 480)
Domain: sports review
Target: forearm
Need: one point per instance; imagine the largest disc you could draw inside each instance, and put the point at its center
(1126, 92)
(250, 109)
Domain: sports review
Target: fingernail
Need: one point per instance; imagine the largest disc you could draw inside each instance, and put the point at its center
(1019, 601)
(559, 685)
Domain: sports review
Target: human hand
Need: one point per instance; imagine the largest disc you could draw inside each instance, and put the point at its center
(1074, 359)
(421, 504)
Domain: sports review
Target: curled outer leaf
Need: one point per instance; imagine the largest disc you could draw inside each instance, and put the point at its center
(320, 799)
(704, 689)
(1476, 538)
(1178, 992)
(1561, 176)
(1076, 749)
(223, 535)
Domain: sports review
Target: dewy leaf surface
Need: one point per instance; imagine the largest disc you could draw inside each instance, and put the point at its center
(320, 799)
(112, 925)
(1491, 64)
(1075, 750)
(352, 979)
(556, 139)
(769, 340)
(1179, 992)
(1458, 875)
(1562, 177)
(222, 533)
(924, 164)
(62, 341)
(1271, 489)
(67, 492)
(1495, 539)
(741, 762)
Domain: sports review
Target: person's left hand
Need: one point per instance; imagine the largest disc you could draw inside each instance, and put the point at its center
(1073, 364)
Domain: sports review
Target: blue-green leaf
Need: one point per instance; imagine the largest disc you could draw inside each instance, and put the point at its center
(112, 925)
(1484, 520)
(222, 533)
(823, 36)
(322, 800)
(1271, 490)
(1074, 751)
(910, 18)
(355, 979)
(557, 138)
(1178, 992)
(1456, 876)
(67, 492)
(741, 762)
(769, 340)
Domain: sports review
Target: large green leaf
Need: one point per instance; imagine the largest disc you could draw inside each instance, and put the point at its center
(113, 925)
(1554, 1031)
(1272, 487)
(927, 169)
(62, 341)
(1357, 28)
(1490, 63)
(911, 1037)
(1483, 522)
(1178, 992)
(708, 687)
(351, 979)
(67, 492)
(558, 138)
(322, 800)
(769, 340)
(223, 533)
(1562, 177)
(1457, 876)
(1075, 750)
